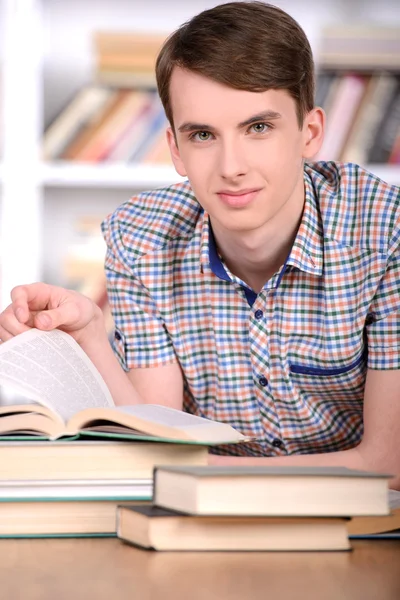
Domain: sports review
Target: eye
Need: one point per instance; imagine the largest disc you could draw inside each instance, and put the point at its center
(260, 127)
(201, 136)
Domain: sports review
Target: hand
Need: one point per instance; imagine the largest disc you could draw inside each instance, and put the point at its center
(49, 307)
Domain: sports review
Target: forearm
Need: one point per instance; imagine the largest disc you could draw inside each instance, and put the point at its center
(354, 458)
(98, 348)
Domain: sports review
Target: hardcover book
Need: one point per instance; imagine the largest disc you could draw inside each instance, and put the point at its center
(72, 399)
(156, 528)
(271, 491)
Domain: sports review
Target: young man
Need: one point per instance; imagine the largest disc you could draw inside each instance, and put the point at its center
(264, 291)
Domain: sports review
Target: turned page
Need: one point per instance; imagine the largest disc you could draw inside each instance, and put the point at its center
(165, 421)
(52, 369)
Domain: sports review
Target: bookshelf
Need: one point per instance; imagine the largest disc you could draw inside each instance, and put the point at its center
(46, 57)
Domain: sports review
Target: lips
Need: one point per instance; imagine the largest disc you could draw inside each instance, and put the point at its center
(239, 198)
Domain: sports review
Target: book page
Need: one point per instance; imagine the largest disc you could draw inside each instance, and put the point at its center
(51, 368)
(198, 428)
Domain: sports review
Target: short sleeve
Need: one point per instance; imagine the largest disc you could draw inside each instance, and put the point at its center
(383, 328)
(140, 340)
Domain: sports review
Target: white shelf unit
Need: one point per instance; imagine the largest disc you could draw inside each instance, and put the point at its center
(46, 56)
(138, 176)
(64, 174)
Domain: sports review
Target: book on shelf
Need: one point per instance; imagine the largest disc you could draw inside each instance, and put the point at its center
(324, 85)
(126, 58)
(85, 105)
(159, 153)
(363, 115)
(92, 125)
(98, 140)
(367, 122)
(142, 45)
(122, 128)
(157, 124)
(271, 491)
(388, 129)
(114, 129)
(72, 399)
(138, 130)
(394, 158)
(368, 46)
(345, 103)
(151, 527)
(66, 508)
(328, 96)
(84, 260)
(379, 526)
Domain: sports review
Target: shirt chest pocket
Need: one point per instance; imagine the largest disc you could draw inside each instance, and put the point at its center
(338, 381)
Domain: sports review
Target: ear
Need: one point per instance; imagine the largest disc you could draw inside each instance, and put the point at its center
(175, 155)
(313, 129)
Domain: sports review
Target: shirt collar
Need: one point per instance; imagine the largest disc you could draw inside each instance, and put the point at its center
(209, 258)
(307, 251)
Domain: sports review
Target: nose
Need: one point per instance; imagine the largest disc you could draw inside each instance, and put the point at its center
(232, 159)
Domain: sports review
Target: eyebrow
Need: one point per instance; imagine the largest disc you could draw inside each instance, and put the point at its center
(267, 115)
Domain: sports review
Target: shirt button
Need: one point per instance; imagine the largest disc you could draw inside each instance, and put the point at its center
(258, 314)
(117, 335)
(263, 381)
(277, 443)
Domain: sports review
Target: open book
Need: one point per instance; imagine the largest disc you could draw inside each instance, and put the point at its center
(71, 398)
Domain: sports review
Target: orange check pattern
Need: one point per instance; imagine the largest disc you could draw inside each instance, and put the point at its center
(288, 365)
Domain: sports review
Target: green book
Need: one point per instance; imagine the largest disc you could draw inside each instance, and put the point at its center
(66, 508)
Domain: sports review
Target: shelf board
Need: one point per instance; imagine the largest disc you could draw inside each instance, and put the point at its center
(389, 173)
(107, 175)
(143, 176)
(146, 176)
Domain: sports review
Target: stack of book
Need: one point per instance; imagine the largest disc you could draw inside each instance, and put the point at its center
(363, 45)
(381, 527)
(127, 58)
(359, 88)
(63, 470)
(118, 118)
(253, 508)
(363, 116)
(104, 124)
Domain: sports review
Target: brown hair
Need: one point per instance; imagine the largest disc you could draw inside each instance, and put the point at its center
(249, 46)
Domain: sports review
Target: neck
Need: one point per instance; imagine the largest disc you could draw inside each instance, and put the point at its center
(255, 256)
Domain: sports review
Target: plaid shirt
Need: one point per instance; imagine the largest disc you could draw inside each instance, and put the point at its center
(287, 365)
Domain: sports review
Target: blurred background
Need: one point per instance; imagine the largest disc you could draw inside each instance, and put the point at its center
(82, 129)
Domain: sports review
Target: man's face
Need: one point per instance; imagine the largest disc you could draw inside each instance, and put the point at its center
(241, 151)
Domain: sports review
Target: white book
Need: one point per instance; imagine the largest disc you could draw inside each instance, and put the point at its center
(52, 369)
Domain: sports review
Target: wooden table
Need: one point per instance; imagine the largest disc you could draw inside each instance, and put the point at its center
(100, 569)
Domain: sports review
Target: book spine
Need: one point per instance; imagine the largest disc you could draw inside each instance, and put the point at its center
(387, 130)
(365, 128)
(135, 131)
(159, 123)
(86, 134)
(347, 100)
(70, 121)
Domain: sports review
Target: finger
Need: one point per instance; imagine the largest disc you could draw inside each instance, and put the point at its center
(10, 326)
(34, 296)
(63, 316)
